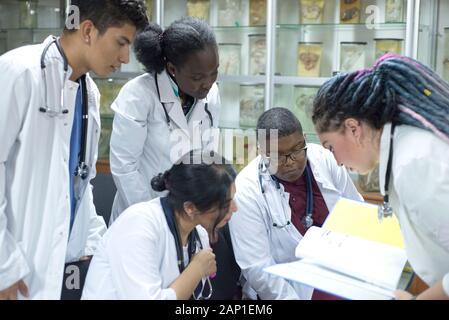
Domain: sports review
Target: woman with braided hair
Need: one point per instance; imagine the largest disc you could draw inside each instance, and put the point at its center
(397, 105)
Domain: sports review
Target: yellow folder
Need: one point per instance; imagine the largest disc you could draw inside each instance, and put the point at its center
(360, 219)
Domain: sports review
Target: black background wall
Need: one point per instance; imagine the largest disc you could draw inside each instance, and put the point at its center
(104, 191)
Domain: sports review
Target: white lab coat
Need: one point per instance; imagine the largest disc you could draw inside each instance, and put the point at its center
(141, 143)
(419, 196)
(257, 244)
(34, 175)
(137, 257)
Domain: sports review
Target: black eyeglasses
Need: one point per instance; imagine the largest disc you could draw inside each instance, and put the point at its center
(282, 159)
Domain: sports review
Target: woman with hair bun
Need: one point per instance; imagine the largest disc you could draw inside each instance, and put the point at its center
(173, 107)
(395, 114)
(159, 250)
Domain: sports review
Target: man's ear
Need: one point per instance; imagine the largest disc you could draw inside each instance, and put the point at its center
(87, 31)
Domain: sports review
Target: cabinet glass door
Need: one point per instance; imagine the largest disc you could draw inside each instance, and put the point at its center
(433, 37)
(24, 22)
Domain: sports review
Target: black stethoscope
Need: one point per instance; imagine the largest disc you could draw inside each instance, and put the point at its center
(307, 220)
(385, 210)
(83, 169)
(167, 118)
(193, 241)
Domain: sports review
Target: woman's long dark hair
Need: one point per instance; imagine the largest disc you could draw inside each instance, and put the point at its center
(206, 185)
(396, 89)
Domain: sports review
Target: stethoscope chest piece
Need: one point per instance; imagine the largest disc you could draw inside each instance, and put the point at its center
(307, 221)
(384, 211)
(82, 170)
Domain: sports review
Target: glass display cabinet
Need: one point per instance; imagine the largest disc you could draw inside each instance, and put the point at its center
(27, 22)
(273, 53)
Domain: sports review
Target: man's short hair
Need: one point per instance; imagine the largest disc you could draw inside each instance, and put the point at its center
(105, 14)
(280, 119)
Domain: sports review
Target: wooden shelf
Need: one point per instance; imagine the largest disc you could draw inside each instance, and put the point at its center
(372, 197)
(417, 286)
(103, 166)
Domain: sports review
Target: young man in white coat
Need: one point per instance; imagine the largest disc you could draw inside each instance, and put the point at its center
(49, 130)
(279, 196)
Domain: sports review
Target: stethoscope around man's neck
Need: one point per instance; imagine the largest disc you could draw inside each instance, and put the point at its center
(82, 169)
(385, 210)
(307, 219)
(167, 118)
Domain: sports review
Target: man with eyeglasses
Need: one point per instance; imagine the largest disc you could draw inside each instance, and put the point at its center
(288, 188)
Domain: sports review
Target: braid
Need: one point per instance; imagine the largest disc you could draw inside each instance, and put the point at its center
(396, 89)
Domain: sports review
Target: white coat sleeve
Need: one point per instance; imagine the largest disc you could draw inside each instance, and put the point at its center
(424, 188)
(97, 226)
(446, 284)
(128, 138)
(342, 180)
(251, 243)
(13, 103)
(134, 256)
